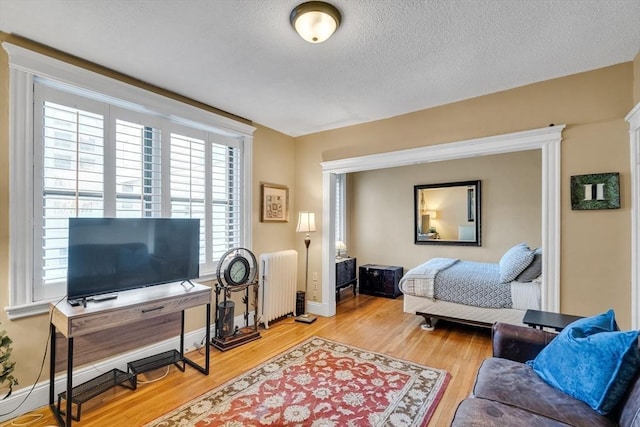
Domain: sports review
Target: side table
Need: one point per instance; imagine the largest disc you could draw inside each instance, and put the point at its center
(546, 319)
(345, 275)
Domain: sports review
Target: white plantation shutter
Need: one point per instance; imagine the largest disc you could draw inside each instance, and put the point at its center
(206, 183)
(188, 183)
(226, 191)
(138, 170)
(71, 163)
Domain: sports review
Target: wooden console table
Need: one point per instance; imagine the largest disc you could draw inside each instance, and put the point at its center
(129, 307)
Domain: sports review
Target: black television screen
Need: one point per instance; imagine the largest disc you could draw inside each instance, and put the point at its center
(108, 255)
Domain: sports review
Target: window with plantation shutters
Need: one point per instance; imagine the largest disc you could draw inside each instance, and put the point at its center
(84, 144)
(93, 157)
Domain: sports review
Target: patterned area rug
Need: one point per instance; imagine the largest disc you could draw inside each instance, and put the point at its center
(320, 383)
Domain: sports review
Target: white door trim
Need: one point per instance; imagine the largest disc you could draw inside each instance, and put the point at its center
(634, 144)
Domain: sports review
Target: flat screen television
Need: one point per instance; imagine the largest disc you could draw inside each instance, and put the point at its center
(107, 255)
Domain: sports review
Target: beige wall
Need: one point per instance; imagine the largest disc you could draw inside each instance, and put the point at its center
(274, 155)
(382, 208)
(595, 260)
(636, 79)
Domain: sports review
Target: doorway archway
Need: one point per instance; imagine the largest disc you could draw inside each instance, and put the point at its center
(546, 139)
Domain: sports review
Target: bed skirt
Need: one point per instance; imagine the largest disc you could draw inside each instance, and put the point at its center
(478, 316)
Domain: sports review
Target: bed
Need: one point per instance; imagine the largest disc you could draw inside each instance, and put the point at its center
(475, 293)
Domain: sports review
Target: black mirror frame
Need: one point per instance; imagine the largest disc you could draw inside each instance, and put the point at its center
(477, 219)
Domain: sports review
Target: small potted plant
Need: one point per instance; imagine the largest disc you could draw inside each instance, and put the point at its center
(7, 380)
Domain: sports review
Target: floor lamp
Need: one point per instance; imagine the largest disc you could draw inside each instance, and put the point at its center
(306, 224)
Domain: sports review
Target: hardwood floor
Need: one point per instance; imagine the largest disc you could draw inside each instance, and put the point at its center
(373, 323)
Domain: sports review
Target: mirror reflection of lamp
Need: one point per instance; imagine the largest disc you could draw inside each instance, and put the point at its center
(426, 220)
(340, 246)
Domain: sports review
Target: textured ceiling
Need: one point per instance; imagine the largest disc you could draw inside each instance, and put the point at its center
(388, 58)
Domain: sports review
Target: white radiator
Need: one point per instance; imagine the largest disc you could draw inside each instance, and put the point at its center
(277, 295)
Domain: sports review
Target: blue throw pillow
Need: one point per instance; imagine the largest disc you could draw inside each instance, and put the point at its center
(514, 261)
(604, 322)
(591, 361)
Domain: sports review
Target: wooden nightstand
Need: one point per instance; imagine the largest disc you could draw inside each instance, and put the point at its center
(380, 280)
(345, 275)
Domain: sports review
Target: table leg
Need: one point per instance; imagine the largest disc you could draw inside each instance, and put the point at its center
(69, 380)
(182, 334)
(52, 365)
(208, 340)
(203, 369)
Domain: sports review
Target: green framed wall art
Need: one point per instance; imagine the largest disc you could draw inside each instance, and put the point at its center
(595, 191)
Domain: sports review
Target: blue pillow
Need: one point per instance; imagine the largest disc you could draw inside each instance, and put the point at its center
(514, 261)
(591, 361)
(604, 322)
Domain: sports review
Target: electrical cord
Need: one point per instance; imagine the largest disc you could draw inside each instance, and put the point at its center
(44, 358)
(17, 423)
(157, 379)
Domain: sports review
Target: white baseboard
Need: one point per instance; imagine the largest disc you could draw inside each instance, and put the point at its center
(319, 308)
(36, 396)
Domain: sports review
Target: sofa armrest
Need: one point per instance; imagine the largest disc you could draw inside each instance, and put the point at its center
(518, 343)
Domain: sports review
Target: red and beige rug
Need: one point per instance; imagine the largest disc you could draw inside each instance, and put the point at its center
(320, 383)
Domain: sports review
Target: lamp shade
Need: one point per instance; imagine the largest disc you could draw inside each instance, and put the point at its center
(306, 222)
(315, 21)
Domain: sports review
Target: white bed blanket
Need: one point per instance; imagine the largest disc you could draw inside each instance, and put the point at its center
(526, 295)
(419, 280)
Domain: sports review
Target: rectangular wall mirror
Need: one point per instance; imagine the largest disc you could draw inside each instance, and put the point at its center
(448, 213)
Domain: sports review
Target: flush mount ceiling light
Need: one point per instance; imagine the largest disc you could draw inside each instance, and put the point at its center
(315, 21)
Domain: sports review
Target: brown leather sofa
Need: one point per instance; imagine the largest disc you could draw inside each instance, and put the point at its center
(508, 392)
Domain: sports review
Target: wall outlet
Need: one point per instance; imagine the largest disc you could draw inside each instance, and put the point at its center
(315, 276)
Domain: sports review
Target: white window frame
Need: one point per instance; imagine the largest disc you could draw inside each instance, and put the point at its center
(25, 66)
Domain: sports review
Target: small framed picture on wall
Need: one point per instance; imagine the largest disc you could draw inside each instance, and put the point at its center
(274, 203)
